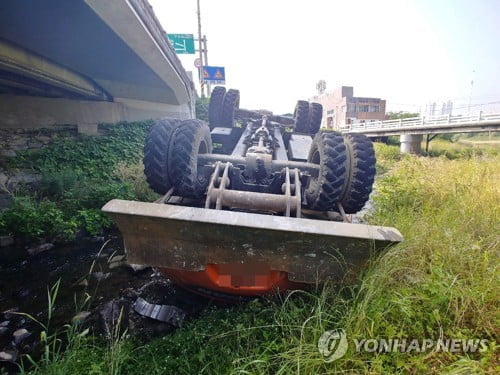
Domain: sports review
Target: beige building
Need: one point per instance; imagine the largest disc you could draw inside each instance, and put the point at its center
(341, 108)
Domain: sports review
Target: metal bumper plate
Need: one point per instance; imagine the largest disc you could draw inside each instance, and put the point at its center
(189, 238)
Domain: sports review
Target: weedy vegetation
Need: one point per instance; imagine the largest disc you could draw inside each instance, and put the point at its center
(441, 282)
(78, 176)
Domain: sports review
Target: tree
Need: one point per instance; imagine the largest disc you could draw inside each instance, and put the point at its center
(202, 108)
(401, 114)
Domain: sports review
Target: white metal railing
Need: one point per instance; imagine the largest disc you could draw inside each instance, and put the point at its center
(420, 122)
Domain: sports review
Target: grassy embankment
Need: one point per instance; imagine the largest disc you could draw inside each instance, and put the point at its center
(441, 282)
(78, 176)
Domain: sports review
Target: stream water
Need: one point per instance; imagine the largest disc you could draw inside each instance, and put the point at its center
(25, 280)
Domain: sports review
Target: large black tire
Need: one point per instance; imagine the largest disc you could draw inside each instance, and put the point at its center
(361, 172)
(230, 104)
(191, 139)
(315, 116)
(156, 154)
(301, 116)
(324, 192)
(215, 106)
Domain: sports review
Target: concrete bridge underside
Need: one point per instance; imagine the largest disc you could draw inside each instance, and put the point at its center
(82, 62)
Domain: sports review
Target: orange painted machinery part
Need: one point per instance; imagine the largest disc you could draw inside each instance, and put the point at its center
(233, 279)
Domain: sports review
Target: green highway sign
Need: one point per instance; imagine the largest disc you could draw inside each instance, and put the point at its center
(182, 43)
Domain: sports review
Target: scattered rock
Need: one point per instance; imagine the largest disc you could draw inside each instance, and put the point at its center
(8, 356)
(40, 249)
(6, 241)
(3, 179)
(5, 200)
(3, 331)
(83, 283)
(80, 317)
(9, 153)
(100, 276)
(138, 267)
(117, 261)
(5, 323)
(20, 147)
(18, 141)
(11, 313)
(117, 258)
(23, 177)
(20, 335)
(44, 139)
(116, 265)
(35, 145)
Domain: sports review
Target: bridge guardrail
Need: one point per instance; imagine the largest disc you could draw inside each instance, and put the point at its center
(420, 122)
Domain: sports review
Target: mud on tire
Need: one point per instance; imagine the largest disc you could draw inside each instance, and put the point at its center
(361, 172)
(192, 138)
(315, 116)
(229, 105)
(215, 106)
(301, 116)
(325, 191)
(156, 154)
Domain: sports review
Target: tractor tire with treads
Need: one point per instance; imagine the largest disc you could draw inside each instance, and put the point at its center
(360, 172)
(301, 116)
(156, 154)
(230, 104)
(215, 106)
(325, 191)
(315, 116)
(192, 138)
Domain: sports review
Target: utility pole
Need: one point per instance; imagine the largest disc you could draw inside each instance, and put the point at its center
(205, 59)
(200, 48)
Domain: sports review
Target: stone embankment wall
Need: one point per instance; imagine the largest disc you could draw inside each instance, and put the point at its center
(14, 141)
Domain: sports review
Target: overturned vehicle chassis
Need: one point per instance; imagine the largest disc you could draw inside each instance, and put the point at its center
(252, 202)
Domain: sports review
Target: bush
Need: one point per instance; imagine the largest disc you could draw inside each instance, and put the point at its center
(202, 108)
(133, 174)
(93, 220)
(55, 183)
(33, 220)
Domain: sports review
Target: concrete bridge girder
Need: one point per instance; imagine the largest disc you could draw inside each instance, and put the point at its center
(87, 62)
(21, 70)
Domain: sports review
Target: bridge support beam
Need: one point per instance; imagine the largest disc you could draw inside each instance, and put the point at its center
(37, 112)
(411, 143)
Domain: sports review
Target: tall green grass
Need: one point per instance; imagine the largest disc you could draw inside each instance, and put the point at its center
(461, 149)
(441, 282)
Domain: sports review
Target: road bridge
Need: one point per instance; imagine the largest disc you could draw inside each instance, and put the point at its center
(412, 130)
(83, 62)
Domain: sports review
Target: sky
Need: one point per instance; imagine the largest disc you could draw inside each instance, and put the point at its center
(409, 52)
